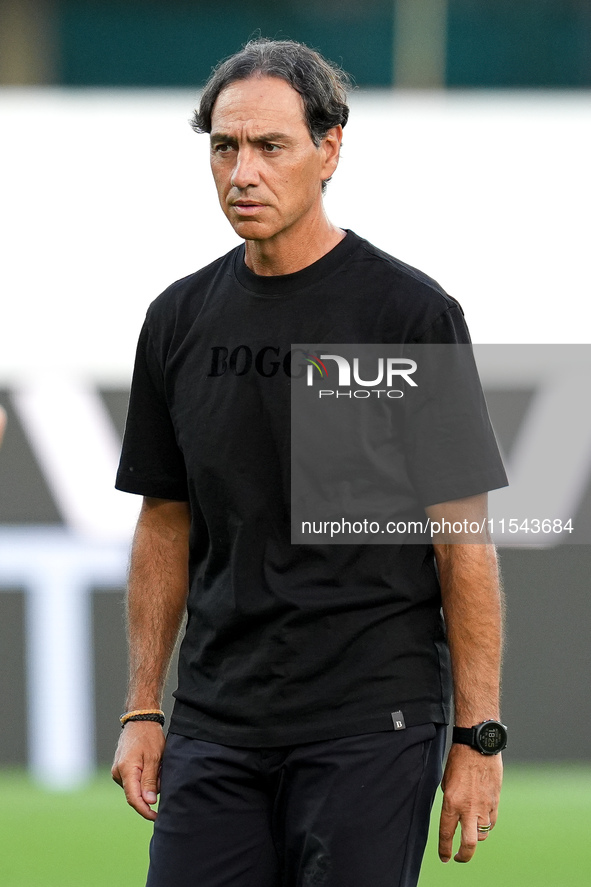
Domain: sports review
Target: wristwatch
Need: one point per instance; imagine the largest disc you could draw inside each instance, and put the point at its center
(489, 737)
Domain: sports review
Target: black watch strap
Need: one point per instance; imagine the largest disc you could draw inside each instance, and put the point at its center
(464, 735)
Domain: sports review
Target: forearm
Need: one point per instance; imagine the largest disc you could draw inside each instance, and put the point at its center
(156, 600)
(473, 610)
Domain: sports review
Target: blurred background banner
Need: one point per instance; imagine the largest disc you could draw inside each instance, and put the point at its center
(412, 43)
(467, 155)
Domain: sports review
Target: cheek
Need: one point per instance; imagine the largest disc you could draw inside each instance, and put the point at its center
(307, 184)
(221, 175)
(221, 190)
(300, 180)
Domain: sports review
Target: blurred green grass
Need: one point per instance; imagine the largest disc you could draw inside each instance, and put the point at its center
(91, 838)
(542, 837)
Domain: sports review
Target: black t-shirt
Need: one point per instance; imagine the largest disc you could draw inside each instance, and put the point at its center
(284, 643)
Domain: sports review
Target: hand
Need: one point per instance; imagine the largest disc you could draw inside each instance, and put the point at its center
(471, 788)
(136, 767)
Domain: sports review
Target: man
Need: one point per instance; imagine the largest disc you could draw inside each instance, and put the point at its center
(307, 736)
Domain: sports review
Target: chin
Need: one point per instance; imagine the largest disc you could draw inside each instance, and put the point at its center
(250, 230)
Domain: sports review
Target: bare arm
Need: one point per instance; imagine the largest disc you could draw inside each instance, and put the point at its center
(473, 610)
(157, 594)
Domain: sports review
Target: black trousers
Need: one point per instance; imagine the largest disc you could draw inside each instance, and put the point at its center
(349, 812)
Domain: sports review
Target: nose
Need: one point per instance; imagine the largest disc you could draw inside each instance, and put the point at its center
(246, 170)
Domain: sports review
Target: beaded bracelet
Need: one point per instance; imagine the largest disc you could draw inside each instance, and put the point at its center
(143, 714)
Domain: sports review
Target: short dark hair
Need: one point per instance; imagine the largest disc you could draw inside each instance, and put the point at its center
(321, 84)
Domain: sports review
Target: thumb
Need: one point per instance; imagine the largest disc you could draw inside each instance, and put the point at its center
(150, 782)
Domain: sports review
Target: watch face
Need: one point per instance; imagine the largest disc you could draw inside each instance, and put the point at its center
(491, 738)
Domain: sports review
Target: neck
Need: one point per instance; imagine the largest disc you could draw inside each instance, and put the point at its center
(290, 251)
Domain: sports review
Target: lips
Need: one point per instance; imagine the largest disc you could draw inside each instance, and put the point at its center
(246, 207)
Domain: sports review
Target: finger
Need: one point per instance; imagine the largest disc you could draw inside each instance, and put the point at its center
(484, 828)
(133, 792)
(116, 775)
(468, 841)
(150, 780)
(2, 422)
(448, 824)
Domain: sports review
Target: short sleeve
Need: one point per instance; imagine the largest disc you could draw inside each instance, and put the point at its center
(448, 328)
(452, 452)
(152, 463)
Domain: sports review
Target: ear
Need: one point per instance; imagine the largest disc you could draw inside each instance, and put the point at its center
(331, 147)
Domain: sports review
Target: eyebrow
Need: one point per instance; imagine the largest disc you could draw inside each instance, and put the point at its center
(259, 139)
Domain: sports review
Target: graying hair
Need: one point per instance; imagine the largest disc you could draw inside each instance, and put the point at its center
(321, 84)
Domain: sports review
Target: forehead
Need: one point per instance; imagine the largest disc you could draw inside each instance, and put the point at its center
(259, 101)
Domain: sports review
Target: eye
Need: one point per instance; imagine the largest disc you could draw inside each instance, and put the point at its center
(270, 148)
(222, 148)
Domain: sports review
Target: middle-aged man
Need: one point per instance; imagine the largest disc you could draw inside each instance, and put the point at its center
(307, 737)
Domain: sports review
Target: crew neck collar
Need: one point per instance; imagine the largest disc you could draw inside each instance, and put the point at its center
(285, 284)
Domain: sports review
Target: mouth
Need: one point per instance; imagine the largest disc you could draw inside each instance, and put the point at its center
(246, 207)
